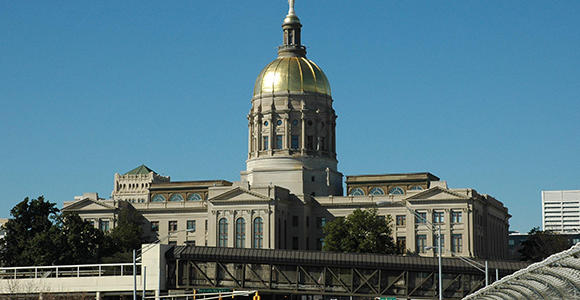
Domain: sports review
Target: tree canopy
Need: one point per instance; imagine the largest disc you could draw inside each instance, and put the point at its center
(363, 231)
(541, 244)
(126, 236)
(31, 234)
(39, 234)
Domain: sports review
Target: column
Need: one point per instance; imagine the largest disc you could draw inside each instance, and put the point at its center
(302, 134)
(250, 135)
(447, 232)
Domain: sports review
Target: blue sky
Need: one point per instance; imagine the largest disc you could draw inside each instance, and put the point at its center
(484, 94)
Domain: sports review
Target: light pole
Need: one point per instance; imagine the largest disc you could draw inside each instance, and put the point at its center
(478, 266)
(141, 256)
(439, 246)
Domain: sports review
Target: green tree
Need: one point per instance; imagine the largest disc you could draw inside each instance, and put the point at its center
(38, 234)
(80, 242)
(126, 236)
(31, 234)
(363, 231)
(541, 244)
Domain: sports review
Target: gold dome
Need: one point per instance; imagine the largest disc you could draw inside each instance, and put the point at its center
(291, 74)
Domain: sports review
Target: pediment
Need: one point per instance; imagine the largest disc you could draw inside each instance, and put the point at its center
(239, 194)
(438, 193)
(88, 204)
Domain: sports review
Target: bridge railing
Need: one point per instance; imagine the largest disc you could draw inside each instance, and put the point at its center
(68, 271)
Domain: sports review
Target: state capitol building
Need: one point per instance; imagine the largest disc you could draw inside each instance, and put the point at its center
(291, 186)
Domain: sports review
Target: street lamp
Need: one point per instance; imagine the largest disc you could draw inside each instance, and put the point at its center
(439, 246)
(478, 266)
(141, 256)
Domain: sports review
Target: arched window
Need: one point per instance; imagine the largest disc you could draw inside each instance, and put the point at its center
(376, 191)
(416, 188)
(258, 232)
(194, 197)
(223, 233)
(158, 198)
(396, 191)
(240, 233)
(357, 192)
(176, 198)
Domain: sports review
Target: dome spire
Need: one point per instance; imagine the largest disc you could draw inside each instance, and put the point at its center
(291, 45)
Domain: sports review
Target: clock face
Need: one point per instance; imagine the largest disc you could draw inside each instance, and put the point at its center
(279, 122)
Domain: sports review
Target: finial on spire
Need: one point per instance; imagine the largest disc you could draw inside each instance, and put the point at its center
(291, 7)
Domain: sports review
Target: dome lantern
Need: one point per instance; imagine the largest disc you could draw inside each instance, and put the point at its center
(291, 45)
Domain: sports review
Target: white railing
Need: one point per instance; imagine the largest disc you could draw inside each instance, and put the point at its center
(67, 271)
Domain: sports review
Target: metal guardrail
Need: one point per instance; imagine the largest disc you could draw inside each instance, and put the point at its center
(68, 271)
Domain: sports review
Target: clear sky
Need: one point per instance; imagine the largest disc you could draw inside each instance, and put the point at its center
(484, 94)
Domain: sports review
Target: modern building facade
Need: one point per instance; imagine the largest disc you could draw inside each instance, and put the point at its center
(291, 186)
(561, 211)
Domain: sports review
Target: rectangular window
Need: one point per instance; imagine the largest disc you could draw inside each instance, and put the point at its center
(421, 218)
(92, 222)
(402, 244)
(278, 141)
(265, 143)
(190, 243)
(436, 242)
(438, 217)
(421, 243)
(191, 225)
(295, 221)
(323, 144)
(294, 142)
(104, 225)
(172, 226)
(258, 232)
(295, 243)
(456, 243)
(319, 244)
(455, 217)
(401, 220)
(310, 142)
(155, 226)
(206, 226)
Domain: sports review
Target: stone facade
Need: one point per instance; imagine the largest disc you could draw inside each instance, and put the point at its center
(134, 185)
